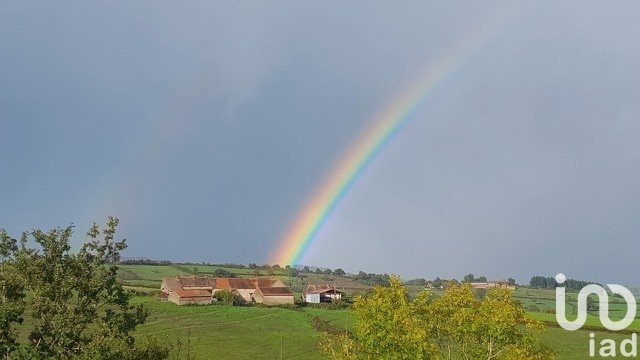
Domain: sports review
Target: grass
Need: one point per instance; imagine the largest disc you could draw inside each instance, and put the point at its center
(225, 332)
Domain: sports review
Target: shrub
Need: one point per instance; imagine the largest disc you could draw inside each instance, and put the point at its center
(224, 297)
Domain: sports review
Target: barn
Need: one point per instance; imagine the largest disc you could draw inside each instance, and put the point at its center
(273, 296)
(202, 290)
(316, 294)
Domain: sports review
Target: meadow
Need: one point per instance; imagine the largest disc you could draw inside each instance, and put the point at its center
(218, 331)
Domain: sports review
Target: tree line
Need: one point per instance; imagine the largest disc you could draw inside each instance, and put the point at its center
(549, 282)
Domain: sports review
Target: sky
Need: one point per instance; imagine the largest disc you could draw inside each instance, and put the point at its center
(205, 127)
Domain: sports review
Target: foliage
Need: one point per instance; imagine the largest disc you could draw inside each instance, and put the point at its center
(223, 273)
(456, 325)
(339, 272)
(469, 278)
(225, 297)
(372, 279)
(11, 296)
(417, 282)
(541, 282)
(386, 326)
(76, 306)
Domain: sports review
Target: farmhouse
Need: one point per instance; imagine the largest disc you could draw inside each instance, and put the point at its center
(189, 290)
(321, 293)
(245, 288)
(201, 289)
(492, 284)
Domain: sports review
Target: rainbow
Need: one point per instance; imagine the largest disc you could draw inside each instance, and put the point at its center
(301, 234)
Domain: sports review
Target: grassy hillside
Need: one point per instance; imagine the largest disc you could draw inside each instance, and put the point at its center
(216, 331)
(225, 332)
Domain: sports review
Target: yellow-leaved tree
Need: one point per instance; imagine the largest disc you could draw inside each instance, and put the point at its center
(388, 325)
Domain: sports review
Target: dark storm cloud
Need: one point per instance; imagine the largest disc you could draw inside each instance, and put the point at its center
(206, 127)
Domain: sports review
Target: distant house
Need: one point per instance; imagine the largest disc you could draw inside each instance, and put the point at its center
(245, 288)
(279, 295)
(492, 284)
(316, 294)
(202, 289)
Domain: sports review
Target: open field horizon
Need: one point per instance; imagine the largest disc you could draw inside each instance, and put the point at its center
(271, 331)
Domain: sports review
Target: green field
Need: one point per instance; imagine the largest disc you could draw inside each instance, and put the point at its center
(216, 331)
(221, 332)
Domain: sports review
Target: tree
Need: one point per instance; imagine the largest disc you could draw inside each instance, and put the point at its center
(223, 273)
(306, 269)
(511, 281)
(77, 308)
(456, 325)
(328, 272)
(469, 278)
(339, 272)
(481, 279)
(539, 282)
(11, 296)
(386, 326)
(318, 271)
(504, 330)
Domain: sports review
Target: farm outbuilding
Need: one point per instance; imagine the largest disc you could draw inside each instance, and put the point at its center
(316, 294)
(492, 284)
(202, 289)
(273, 296)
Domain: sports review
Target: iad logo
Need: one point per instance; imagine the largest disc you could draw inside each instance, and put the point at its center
(605, 347)
(604, 306)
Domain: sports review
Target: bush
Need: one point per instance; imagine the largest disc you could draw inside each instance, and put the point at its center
(224, 297)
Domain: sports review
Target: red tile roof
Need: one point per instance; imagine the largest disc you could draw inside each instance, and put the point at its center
(194, 286)
(276, 291)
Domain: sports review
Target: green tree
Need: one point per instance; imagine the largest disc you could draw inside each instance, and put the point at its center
(456, 325)
(469, 278)
(450, 318)
(503, 329)
(77, 308)
(11, 296)
(339, 272)
(223, 273)
(386, 325)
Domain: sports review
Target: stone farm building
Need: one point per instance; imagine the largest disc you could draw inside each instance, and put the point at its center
(321, 293)
(277, 295)
(201, 290)
(492, 284)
